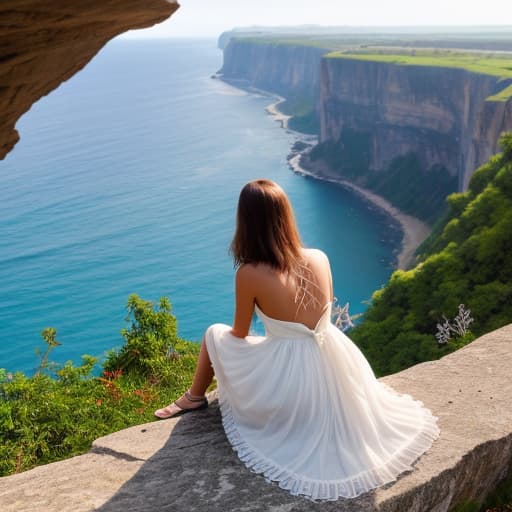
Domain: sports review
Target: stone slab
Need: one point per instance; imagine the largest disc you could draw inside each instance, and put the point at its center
(186, 464)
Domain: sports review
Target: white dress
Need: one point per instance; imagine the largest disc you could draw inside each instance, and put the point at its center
(303, 407)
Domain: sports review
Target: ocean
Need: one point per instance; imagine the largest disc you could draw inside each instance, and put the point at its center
(126, 179)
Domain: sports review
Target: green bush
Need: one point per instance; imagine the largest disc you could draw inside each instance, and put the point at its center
(466, 260)
(148, 342)
(60, 410)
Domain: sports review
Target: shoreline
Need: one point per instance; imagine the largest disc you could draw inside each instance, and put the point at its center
(272, 109)
(414, 231)
(278, 116)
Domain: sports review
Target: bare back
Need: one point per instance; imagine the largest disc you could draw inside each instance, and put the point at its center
(276, 293)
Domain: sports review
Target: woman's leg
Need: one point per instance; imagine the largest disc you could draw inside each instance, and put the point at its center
(204, 372)
(202, 379)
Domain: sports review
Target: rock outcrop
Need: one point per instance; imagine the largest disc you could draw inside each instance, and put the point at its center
(43, 44)
(286, 69)
(187, 463)
(439, 114)
(495, 118)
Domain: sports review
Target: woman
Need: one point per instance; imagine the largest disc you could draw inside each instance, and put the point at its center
(300, 405)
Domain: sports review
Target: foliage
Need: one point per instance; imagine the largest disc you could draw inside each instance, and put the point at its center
(305, 123)
(304, 116)
(49, 336)
(413, 188)
(60, 410)
(467, 261)
(149, 340)
(350, 153)
(406, 183)
(455, 329)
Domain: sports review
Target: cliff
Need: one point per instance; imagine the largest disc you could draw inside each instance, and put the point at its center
(440, 114)
(495, 117)
(284, 68)
(290, 69)
(187, 463)
(425, 118)
(43, 44)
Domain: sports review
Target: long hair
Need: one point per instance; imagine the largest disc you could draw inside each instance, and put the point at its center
(266, 232)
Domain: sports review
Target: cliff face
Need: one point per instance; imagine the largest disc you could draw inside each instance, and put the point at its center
(282, 68)
(440, 114)
(44, 43)
(495, 118)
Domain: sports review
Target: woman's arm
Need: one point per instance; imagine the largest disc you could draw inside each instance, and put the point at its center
(245, 294)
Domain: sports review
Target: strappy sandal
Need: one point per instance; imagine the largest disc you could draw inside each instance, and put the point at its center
(165, 412)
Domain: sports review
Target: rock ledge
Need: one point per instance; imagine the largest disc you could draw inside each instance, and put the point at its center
(187, 463)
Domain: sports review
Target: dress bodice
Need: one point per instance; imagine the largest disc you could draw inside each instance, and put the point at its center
(288, 329)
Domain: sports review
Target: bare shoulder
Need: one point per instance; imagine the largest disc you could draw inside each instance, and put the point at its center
(250, 271)
(315, 255)
(251, 278)
(245, 271)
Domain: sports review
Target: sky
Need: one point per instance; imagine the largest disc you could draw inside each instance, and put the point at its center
(208, 18)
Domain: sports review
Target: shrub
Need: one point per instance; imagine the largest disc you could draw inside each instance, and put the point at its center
(60, 410)
(465, 261)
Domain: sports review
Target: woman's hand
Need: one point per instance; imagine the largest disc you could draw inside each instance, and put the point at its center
(245, 296)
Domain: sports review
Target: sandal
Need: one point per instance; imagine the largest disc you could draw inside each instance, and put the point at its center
(166, 412)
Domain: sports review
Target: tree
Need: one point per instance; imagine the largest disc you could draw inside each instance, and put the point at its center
(151, 337)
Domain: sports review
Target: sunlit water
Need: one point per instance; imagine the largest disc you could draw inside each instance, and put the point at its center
(126, 180)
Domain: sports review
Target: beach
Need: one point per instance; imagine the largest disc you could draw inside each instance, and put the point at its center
(414, 230)
(273, 110)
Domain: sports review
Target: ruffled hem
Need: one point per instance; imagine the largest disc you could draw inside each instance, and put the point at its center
(332, 489)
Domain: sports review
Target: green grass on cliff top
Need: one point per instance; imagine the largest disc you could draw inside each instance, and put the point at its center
(503, 95)
(486, 64)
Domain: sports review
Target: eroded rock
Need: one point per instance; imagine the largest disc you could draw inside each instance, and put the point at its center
(43, 44)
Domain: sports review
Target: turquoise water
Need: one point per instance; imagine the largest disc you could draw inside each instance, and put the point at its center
(126, 180)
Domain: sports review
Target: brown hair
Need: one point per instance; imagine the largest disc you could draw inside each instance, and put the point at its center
(266, 231)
